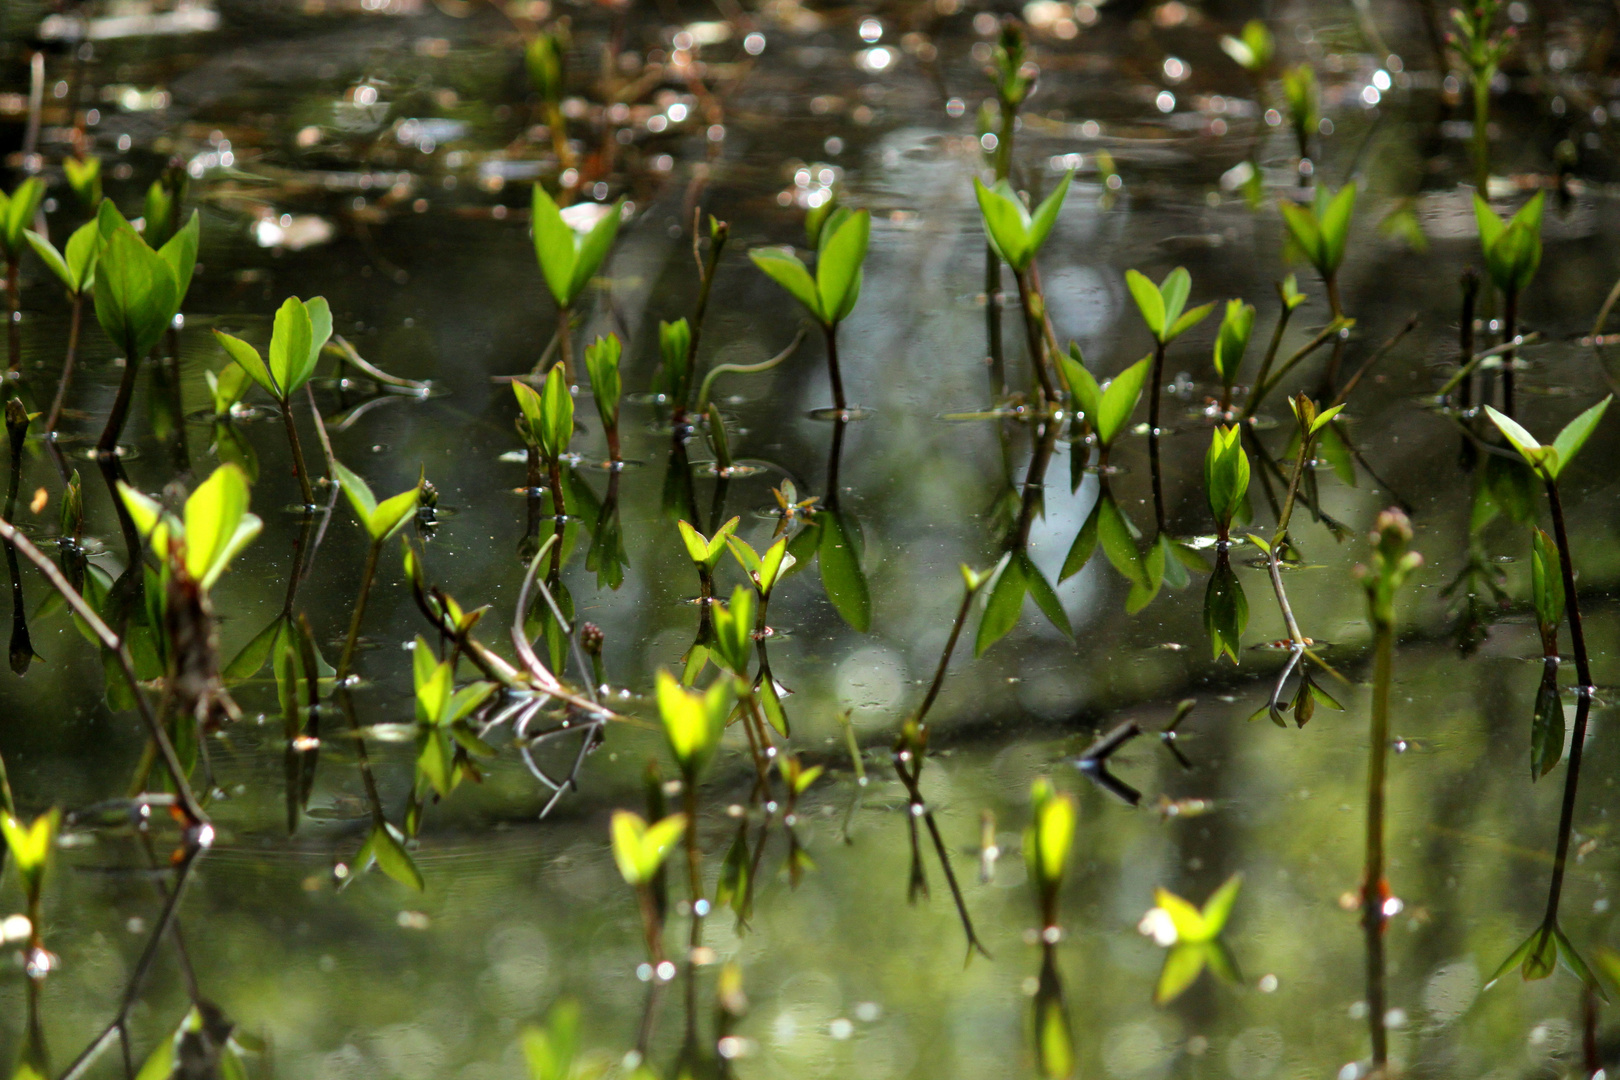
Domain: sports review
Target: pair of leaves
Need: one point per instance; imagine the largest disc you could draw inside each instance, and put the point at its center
(733, 627)
(571, 245)
(602, 366)
(75, 265)
(765, 570)
(30, 846)
(1050, 836)
(831, 295)
(1019, 577)
(693, 720)
(381, 520)
(301, 330)
(1108, 408)
(1512, 248)
(215, 525)
(1226, 475)
(385, 847)
(548, 414)
(168, 1056)
(1547, 725)
(1304, 96)
(1194, 925)
(1539, 955)
(705, 551)
(1550, 461)
(138, 290)
(1226, 610)
(1162, 305)
(438, 702)
(1108, 526)
(1321, 231)
(1014, 232)
(17, 212)
(1546, 583)
(1193, 939)
(84, 177)
(639, 848)
(1233, 340)
(1253, 50)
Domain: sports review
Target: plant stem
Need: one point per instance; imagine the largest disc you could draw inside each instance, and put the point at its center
(359, 611)
(67, 365)
(1263, 386)
(1372, 887)
(300, 469)
(558, 511)
(1153, 436)
(13, 314)
(1510, 319)
(1034, 333)
(1583, 702)
(108, 443)
(831, 330)
(992, 322)
(1481, 133)
(565, 342)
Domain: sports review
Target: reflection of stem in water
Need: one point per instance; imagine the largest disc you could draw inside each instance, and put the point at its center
(1156, 381)
(370, 571)
(300, 469)
(835, 458)
(992, 322)
(1029, 297)
(1053, 1035)
(1034, 486)
(21, 647)
(1372, 884)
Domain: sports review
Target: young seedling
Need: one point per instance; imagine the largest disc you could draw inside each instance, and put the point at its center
(138, 293)
(1512, 254)
(1231, 342)
(1019, 577)
(1016, 235)
(1392, 563)
(1106, 409)
(301, 330)
(693, 722)
(1047, 843)
(84, 178)
(552, 1052)
(1193, 936)
(1226, 482)
(639, 849)
(30, 845)
(213, 528)
(1163, 309)
(1253, 49)
(1321, 232)
(765, 571)
(380, 520)
(1304, 97)
(547, 425)
(17, 212)
(1013, 76)
(571, 245)
(75, 267)
(832, 293)
(439, 707)
(602, 365)
(1481, 48)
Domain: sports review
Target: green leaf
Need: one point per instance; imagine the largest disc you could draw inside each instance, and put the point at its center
(1188, 920)
(1046, 598)
(1232, 341)
(1573, 961)
(1546, 581)
(247, 359)
(1050, 836)
(1218, 908)
(1543, 459)
(20, 209)
(1086, 393)
(1307, 234)
(1516, 957)
(556, 415)
(838, 265)
(1114, 534)
(1189, 320)
(1173, 292)
(1491, 227)
(393, 513)
(53, 258)
(1006, 224)
(160, 1063)
(554, 246)
(1085, 543)
(320, 332)
(1153, 567)
(180, 253)
(591, 250)
(215, 516)
(1182, 966)
(1226, 611)
(784, 268)
(841, 573)
(692, 720)
(1046, 214)
(1005, 604)
(357, 491)
(734, 630)
(1119, 400)
(639, 849)
(386, 847)
(1335, 226)
(1575, 433)
(602, 366)
(289, 346)
(1226, 475)
(1149, 302)
(136, 294)
(773, 565)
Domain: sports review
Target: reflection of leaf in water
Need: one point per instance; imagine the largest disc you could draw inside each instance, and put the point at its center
(1547, 727)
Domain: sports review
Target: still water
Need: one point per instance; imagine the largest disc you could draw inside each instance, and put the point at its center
(382, 156)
